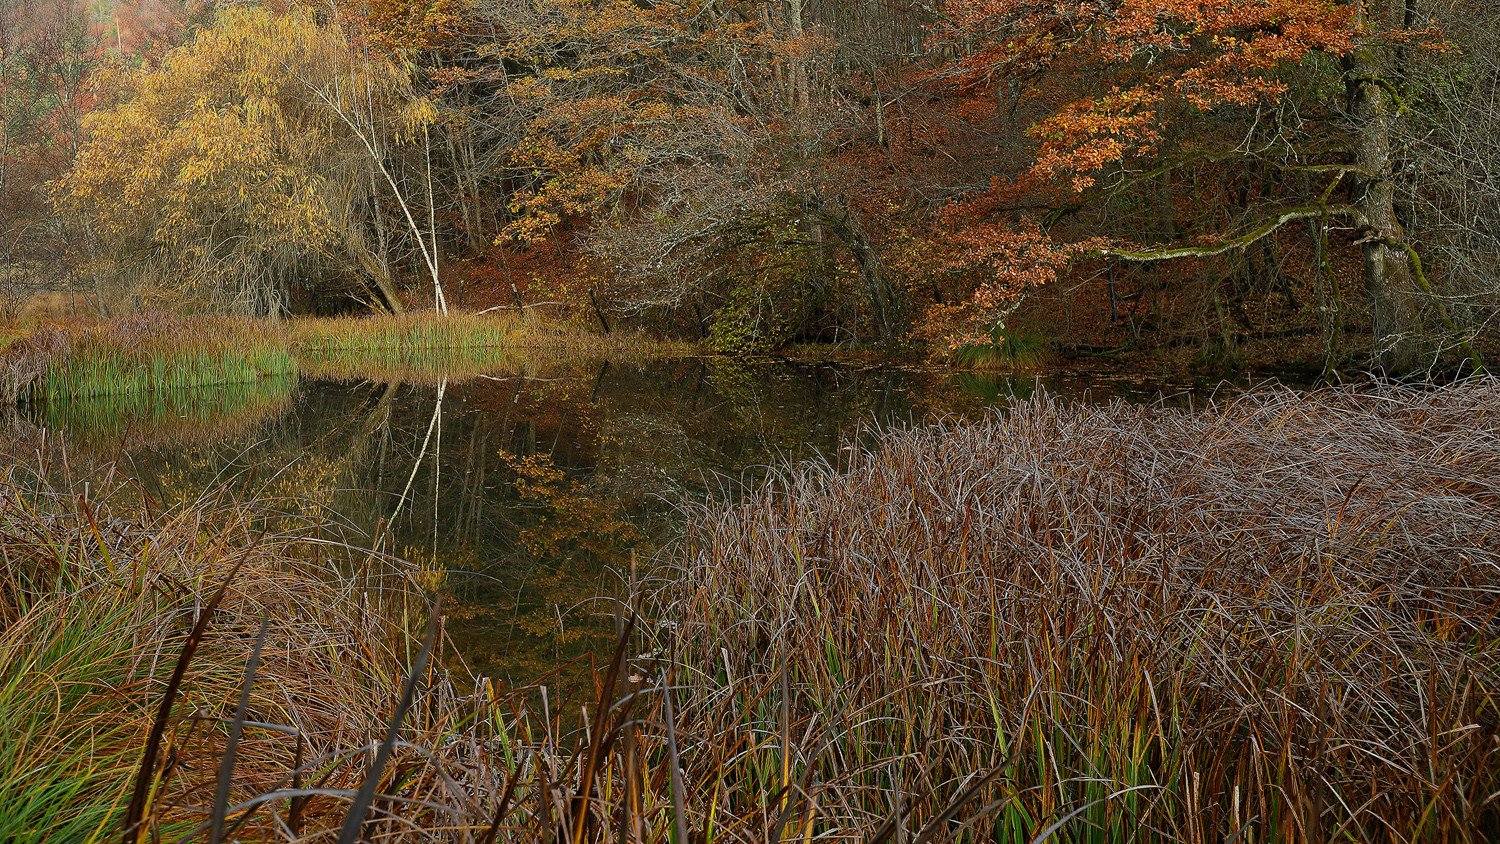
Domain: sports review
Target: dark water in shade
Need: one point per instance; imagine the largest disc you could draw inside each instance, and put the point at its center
(525, 492)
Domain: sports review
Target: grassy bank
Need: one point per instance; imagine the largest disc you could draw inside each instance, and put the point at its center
(158, 351)
(141, 353)
(1273, 620)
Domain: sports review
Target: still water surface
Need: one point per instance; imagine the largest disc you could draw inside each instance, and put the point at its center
(525, 491)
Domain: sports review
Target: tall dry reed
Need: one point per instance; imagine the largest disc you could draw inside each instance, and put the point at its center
(1273, 619)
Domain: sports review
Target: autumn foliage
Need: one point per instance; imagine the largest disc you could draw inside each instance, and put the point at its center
(1150, 88)
(755, 173)
(228, 169)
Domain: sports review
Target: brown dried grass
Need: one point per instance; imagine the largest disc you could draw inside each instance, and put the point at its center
(1273, 619)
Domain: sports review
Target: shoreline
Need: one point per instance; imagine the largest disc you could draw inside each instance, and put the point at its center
(154, 351)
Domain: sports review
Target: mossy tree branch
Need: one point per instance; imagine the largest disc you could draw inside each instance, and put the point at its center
(1448, 323)
(1057, 214)
(1249, 238)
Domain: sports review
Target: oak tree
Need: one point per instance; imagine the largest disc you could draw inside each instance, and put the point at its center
(1129, 92)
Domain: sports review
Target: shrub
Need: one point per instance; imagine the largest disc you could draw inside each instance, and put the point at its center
(1006, 350)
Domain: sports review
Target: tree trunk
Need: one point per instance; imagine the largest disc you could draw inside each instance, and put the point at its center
(372, 265)
(797, 78)
(871, 269)
(388, 293)
(1400, 344)
(376, 263)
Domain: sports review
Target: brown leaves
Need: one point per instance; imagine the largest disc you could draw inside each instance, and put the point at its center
(1116, 87)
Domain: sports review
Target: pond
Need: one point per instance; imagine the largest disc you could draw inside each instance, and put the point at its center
(528, 493)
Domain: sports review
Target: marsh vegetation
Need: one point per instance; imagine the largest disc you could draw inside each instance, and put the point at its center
(1272, 619)
(1268, 618)
(164, 352)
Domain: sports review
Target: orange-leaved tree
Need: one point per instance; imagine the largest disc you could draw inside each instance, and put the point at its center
(1300, 94)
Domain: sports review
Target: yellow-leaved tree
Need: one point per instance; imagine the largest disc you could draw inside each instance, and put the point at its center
(263, 158)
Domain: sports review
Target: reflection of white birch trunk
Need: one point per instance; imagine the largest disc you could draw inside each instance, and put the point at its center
(437, 414)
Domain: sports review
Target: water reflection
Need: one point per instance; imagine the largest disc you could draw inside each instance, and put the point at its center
(526, 490)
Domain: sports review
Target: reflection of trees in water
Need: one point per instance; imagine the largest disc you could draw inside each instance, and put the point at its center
(543, 484)
(546, 481)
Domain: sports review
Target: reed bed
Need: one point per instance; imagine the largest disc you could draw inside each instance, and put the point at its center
(1000, 349)
(411, 334)
(427, 347)
(1272, 620)
(156, 352)
(433, 366)
(142, 353)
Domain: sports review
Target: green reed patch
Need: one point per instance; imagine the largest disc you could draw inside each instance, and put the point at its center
(67, 751)
(160, 418)
(142, 353)
(100, 369)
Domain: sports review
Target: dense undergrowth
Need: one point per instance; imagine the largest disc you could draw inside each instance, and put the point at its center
(1271, 620)
(159, 351)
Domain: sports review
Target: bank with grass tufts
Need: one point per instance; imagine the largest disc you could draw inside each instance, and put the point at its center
(1002, 349)
(159, 351)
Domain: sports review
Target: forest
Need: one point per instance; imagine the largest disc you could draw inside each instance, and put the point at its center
(750, 421)
(1303, 183)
